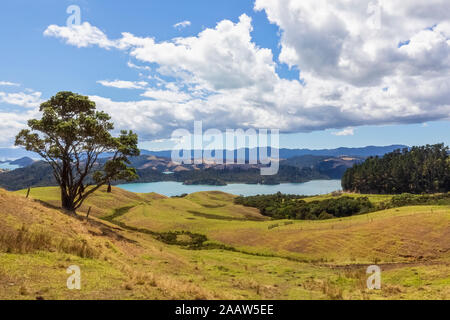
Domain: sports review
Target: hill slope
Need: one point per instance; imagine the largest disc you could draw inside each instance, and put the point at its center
(120, 257)
(397, 235)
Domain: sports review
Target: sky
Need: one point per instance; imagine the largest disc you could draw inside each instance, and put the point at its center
(327, 74)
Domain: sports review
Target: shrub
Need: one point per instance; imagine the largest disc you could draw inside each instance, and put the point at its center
(325, 216)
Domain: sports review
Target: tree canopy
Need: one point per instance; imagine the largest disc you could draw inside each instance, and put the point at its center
(71, 136)
(417, 170)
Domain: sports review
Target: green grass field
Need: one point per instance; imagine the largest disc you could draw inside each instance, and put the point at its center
(246, 256)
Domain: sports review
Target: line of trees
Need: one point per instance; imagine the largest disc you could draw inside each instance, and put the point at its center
(424, 169)
(282, 206)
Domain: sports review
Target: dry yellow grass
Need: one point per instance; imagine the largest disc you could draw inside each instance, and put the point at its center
(411, 245)
(403, 234)
(395, 235)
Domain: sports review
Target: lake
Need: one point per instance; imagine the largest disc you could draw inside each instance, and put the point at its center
(170, 189)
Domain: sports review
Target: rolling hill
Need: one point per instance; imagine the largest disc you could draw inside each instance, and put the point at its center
(141, 246)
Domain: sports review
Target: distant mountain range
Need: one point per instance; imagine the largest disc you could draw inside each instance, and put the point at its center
(290, 153)
(15, 153)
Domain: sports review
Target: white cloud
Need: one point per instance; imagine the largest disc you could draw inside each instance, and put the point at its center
(122, 84)
(30, 99)
(333, 40)
(345, 132)
(13, 120)
(353, 72)
(134, 66)
(182, 24)
(10, 84)
(83, 35)
(166, 95)
(12, 123)
(216, 59)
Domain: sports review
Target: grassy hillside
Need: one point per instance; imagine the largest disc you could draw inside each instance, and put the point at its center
(245, 256)
(395, 235)
(101, 203)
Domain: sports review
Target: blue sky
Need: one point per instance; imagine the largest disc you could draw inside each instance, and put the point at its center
(34, 66)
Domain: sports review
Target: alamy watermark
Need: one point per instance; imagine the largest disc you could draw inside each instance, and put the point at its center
(374, 280)
(74, 280)
(75, 16)
(230, 147)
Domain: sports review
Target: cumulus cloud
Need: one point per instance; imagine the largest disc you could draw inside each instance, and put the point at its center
(182, 24)
(166, 95)
(29, 99)
(122, 84)
(362, 63)
(343, 41)
(12, 121)
(83, 35)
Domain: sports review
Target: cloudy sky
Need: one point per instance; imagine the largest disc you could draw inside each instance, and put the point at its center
(327, 73)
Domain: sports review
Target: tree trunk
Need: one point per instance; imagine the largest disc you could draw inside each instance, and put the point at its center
(66, 202)
(109, 188)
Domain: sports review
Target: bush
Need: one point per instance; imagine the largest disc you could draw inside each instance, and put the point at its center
(407, 199)
(325, 216)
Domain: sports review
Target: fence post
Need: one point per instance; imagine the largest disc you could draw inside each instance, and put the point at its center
(87, 215)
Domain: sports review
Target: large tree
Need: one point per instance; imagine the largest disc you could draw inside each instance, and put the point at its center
(71, 136)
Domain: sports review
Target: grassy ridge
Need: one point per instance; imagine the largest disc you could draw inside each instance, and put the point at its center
(326, 259)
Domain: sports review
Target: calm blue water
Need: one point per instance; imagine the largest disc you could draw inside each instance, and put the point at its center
(170, 189)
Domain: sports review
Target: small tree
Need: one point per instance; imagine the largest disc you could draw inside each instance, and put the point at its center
(70, 136)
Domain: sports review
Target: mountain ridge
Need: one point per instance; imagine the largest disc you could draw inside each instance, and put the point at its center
(285, 153)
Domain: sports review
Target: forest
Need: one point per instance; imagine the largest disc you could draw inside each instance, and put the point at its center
(418, 170)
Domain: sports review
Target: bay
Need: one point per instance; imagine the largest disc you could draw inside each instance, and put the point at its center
(170, 189)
